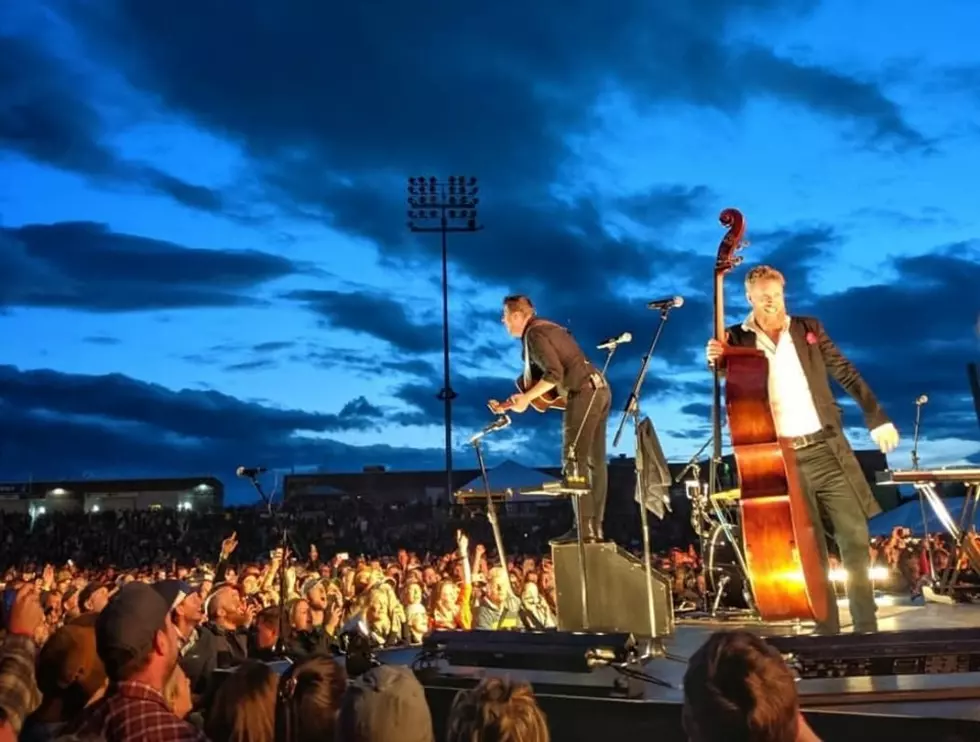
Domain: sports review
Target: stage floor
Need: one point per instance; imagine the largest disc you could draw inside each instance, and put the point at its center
(949, 696)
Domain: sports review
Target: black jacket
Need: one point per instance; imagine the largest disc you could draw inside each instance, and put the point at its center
(821, 359)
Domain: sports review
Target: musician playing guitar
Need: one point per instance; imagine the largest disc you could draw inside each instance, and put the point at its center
(555, 368)
(801, 358)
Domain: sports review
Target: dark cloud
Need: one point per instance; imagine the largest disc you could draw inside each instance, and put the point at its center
(272, 346)
(68, 424)
(540, 66)
(101, 340)
(835, 94)
(366, 364)
(915, 335)
(799, 253)
(373, 314)
(513, 84)
(672, 204)
(189, 413)
(57, 447)
(46, 115)
(82, 265)
(521, 82)
(259, 364)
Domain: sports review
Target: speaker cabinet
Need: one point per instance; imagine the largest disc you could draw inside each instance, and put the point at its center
(617, 590)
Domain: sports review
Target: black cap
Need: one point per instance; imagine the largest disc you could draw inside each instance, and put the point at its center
(173, 591)
(126, 627)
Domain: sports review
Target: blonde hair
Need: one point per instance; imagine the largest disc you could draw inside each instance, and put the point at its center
(763, 273)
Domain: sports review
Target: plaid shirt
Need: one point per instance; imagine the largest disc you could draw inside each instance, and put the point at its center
(133, 712)
(19, 695)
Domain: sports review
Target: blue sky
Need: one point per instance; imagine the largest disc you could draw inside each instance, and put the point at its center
(203, 253)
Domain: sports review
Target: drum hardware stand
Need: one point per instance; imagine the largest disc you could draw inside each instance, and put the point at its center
(500, 423)
(631, 411)
(719, 594)
(577, 484)
(697, 504)
(718, 521)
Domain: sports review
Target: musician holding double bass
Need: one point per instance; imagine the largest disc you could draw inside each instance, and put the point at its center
(555, 367)
(802, 357)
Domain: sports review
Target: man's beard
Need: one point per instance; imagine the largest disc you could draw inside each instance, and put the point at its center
(771, 322)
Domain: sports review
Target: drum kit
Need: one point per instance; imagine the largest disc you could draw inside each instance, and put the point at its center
(714, 518)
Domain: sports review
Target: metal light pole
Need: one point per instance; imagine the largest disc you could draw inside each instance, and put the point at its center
(444, 207)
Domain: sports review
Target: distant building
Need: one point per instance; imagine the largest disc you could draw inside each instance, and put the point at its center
(94, 495)
(377, 483)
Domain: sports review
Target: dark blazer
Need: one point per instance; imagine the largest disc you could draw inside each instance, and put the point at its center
(821, 359)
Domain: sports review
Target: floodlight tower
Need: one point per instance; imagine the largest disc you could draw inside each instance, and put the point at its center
(444, 206)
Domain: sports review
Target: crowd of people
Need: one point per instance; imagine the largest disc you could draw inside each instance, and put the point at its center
(145, 625)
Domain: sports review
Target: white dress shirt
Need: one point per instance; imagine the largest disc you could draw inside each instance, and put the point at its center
(790, 398)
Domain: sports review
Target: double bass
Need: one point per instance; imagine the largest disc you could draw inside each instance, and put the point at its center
(782, 553)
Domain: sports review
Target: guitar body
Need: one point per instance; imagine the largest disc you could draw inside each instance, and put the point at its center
(780, 544)
(782, 553)
(548, 401)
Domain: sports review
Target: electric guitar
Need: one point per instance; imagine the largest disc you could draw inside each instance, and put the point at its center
(551, 400)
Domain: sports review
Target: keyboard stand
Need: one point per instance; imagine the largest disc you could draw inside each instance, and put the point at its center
(961, 533)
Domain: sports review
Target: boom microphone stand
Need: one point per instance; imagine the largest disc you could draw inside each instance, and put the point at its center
(477, 441)
(631, 410)
(252, 476)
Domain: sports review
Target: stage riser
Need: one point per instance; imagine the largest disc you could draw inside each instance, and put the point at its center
(616, 588)
(572, 718)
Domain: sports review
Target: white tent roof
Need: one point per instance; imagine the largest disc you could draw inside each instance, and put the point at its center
(509, 476)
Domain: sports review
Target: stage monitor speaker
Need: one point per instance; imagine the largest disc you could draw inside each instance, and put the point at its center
(617, 585)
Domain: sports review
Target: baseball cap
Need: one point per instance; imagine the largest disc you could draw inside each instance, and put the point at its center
(173, 591)
(385, 704)
(127, 626)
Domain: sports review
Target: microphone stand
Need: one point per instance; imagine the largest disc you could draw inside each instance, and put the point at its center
(631, 410)
(279, 649)
(915, 434)
(498, 539)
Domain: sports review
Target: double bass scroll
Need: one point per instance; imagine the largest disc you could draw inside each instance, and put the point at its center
(782, 553)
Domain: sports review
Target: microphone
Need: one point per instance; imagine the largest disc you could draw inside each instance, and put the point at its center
(250, 473)
(671, 302)
(922, 399)
(501, 422)
(614, 341)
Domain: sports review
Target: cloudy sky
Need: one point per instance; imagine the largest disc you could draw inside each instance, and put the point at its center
(203, 253)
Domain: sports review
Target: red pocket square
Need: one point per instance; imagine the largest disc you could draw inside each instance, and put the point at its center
(811, 338)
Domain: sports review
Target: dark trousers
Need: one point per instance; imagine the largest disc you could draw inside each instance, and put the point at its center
(830, 496)
(590, 451)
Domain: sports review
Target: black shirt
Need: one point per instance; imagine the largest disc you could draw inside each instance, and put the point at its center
(555, 356)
